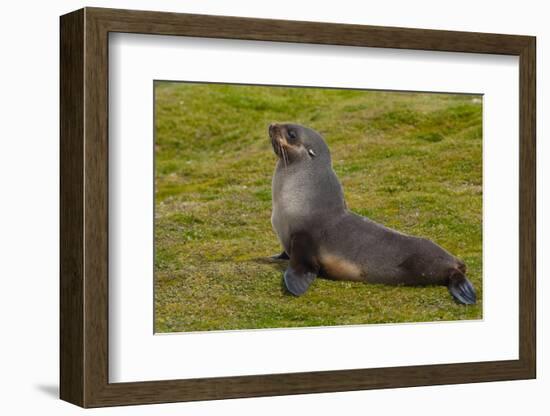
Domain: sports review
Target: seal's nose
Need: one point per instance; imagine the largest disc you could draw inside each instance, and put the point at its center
(272, 128)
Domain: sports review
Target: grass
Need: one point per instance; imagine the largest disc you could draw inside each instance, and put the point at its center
(409, 160)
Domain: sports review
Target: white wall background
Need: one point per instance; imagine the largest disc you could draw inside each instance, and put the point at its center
(29, 85)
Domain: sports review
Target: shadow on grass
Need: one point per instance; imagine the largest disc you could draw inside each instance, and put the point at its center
(279, 265)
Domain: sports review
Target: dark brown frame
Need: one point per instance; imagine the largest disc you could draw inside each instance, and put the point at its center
(84, 207)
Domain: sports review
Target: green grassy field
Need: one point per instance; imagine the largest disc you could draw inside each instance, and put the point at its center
(411, 161)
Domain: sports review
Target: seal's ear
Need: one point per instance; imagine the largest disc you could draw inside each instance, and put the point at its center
(311, 152)
(303, 267)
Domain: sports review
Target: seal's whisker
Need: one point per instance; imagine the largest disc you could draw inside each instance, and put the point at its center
(283, 154)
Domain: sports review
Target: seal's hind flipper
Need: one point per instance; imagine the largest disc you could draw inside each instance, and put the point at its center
(282, 256)
(298, 283)
(303, 267)
(462, 289)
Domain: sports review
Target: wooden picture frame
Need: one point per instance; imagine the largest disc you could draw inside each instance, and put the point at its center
(84, 207)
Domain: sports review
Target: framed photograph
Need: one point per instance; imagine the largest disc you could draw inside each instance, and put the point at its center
(254, 207)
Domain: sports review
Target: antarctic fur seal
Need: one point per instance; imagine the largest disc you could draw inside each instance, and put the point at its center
(321, 237)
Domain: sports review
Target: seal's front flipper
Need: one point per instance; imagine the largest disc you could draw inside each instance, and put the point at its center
(282, 256)
(303, 267)
(298, 283)
(462, 289)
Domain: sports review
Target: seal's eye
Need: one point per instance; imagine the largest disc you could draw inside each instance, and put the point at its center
(311, 153)
(292, 134)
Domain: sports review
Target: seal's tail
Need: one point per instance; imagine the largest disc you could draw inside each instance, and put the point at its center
(461, 288)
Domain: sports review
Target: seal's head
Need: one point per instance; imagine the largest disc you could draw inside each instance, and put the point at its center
(293, 144)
